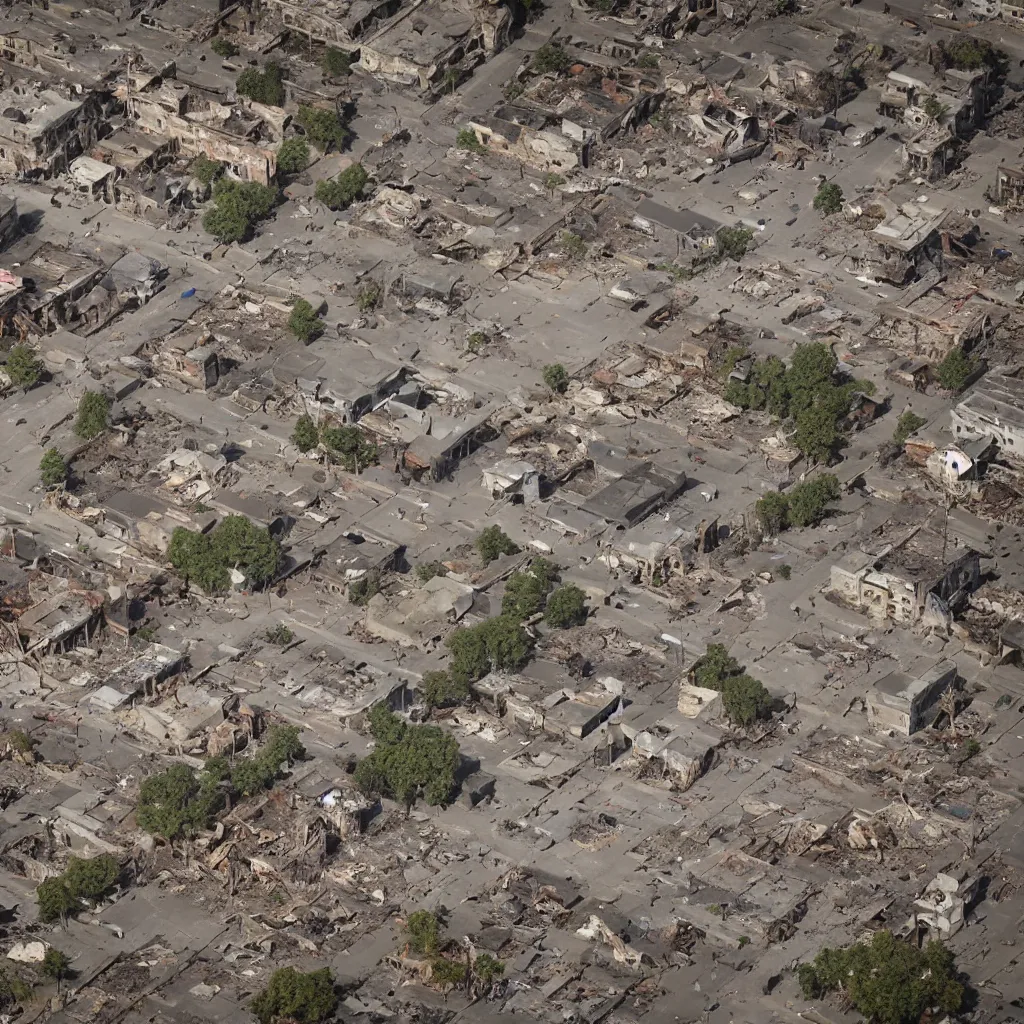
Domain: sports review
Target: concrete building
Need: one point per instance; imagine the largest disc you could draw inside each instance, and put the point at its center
(904, 703)
(994, 407)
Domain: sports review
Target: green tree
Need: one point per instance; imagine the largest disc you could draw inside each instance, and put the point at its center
(525, 594)
(237, 207)
(817, 434)
(810, 375)
(205, 170)
(336, 63)
(223, 47)
(772, 512)
(733, 243)
(91, 879)
(509, 646)
(178, 802)
(339, 193)
(469, 658)
(56, 902)
(423, 932)
(906, 425)
(323, 127)
(808, 500)
(361, 590)
(386, 727)
(493, 542)
(305, 436)
(550, 59)
(23, 367)
(293, 156)
(713, 667)
(828, 199)
(266, 86)
(56, 965)
(968, 53)
(447, 973)
(440, 690)
(239, 544)
(955, 370)
(349, 447)
(566, 607)
(745, 700)
(300, 996)
(52, 468)
(192, 554)
(279, 635)
(556, 378)
(886, 980)
(304, 322)
(93, 409)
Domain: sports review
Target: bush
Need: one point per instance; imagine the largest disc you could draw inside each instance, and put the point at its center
(567, 607)
(886, 980)
(336, 63)
(499, 644)
(745, 700)
(556, 378)
(447, 973)
(360, 591)
(91, 420)
(409, 761)
(177, 802)
(829, 199)
(291, 995)
(713, 667)
(223, 47)
(237, 207)
(469, 658)
(817, 433)
(467, 139)
(906, 425)
(323, 127)
(487, 968)
(349, 448)
(550, 59)
(807, 501)
(423, 932)
(293, 156)
(968, 53)
(23, 367)
(305, 436)
(573, 245)
(56, 965)
(279, 635)
(440, 690)
(52, 468)
(83, 880)
(235, 543)
(304, 322)
(955, 370)
(55, 900)
(266, 86)
(493, 542)
(428, 570)
(339, 193)
(205, 170)
(733, 243)
(526, 592)
(785, 571)
(13, 989)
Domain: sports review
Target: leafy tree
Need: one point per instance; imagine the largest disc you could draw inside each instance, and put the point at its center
(223, 47)
(55, 900)
(508, 645)
(713, 667)
(556, 378)
(968, 53)
(304, 323)
(493, 542)
(733, 243)
(300, 996)
(92, 878)
(266, 86)
(91, 420)
(745, 700)
(336, 63)
(52, 468)
(810, 375)
(886, 980)
(447, 973)
(469, 658)
(440, 690)
(282, 745)
(772, 512)
(349, 448)
(238, 207)
(279, 635)
(423, 932)
(23, 367)
(550, 59)
(56, 965)
(239, 544)
(566, 607)
(409, 761)
(305, 436)
(817, 434)
(293, 156)
(177, 802)
(339, 193)
(829, 199)
(205, 170)
(906, 425)
(322, 127)
(807, 501)
(955, 370)
(192, 554)
(525, 594)
(254, 774)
